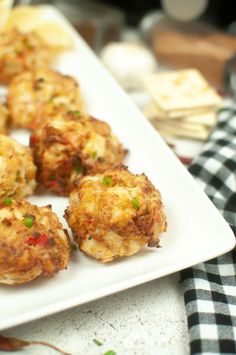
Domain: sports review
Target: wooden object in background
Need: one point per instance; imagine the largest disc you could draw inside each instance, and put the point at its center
(194, 45)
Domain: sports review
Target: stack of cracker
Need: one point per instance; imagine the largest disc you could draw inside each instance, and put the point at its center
(183, 103)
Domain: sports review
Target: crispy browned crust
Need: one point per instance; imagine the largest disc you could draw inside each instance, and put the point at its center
(17, 169)
(103, 219)
(36, 94)
(3, 119)
(67, 146)
(19, 52)
(27, 253)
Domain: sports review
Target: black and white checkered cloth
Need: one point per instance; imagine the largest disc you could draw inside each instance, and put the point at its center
(210, 287)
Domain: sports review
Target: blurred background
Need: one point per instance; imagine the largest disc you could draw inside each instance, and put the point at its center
(207, 25)
(137, 38)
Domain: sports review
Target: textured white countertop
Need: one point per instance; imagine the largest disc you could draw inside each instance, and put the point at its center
(145, 320)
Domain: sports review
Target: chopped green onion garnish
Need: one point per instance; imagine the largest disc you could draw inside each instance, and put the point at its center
(28, 222)
(73, 247)
(97, 342)
(77, 113)
(17, 174)
(7, 201)
(135, 203)
(17, 51)
(52, 241)
(107, 180)
(94, 155)
(52, 177)
(79, 169)
(90, 237)
(110, 352)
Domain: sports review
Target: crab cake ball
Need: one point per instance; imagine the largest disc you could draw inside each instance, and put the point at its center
(19, 52)
(17, 170)
(69, 145)
(3, 119)
(39, 93)
(114, 214)
(32, 242)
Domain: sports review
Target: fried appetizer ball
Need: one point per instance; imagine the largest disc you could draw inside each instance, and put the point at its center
(3, 119)
(32, 242)
(115, 213)
(39, 93)
(19, 52)
(17, 170)
(69, 145)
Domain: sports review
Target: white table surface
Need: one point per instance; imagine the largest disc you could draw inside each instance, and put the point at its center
(146, 320)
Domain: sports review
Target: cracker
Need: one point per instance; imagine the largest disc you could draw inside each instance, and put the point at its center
(181, 90)
(208, 119)
(152, 111)
(172, 128)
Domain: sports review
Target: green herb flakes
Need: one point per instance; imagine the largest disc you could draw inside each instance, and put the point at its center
(29, 221)
(107, 180)
(77, 113)
(17, 175)
(7, 201)
(110, 352)
(73, 247)
(94, 155)
(97, 342)
(51, 241)
(79, 169)
(135, 203)
(52, 177)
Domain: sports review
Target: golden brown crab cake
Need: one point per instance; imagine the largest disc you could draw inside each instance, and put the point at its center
(69, 145)
(17, 170)
(115, 214)
(42, 92)
(19, 52)
(32, 242)
(3, 119)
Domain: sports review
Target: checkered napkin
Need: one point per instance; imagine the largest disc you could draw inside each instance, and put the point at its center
(210, 287)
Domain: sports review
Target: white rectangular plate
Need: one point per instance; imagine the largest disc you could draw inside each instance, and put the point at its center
(196, 230)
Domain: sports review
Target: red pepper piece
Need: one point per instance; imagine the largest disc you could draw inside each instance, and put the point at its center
(38, 239)
(52, 183)
(185, 160)
(33, 140)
